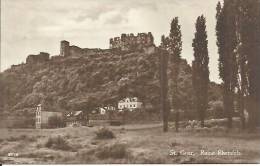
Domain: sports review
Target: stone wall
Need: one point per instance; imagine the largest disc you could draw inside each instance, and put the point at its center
(130, 42)
(74, 51)
(40, 58)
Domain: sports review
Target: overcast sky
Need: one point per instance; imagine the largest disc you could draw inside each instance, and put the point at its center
(31, 26)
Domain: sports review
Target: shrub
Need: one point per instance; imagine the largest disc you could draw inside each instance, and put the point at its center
(104, 133)
(57, 143)
(115, 151)
(27, 138)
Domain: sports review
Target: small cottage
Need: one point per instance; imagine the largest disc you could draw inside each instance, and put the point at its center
(75, 118)
(104, 110)
(130, 103)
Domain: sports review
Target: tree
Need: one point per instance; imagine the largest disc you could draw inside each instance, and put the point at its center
(173, 45)
(163, 57)
(250, 50)
(200, 70)
(226, 42)
(242, 76)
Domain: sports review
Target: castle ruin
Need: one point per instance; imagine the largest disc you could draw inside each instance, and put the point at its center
(40, 58)
(130, 42)
(66, 50)
(126, 43)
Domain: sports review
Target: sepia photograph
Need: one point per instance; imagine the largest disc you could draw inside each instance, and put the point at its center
(130, 82)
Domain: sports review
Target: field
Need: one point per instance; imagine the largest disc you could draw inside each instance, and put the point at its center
(132, 144)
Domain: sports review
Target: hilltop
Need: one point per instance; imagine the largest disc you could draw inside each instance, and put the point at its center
(85, 81)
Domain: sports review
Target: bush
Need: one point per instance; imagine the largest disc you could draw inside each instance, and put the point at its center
(115, 151)
(57, 143)
(104, 133)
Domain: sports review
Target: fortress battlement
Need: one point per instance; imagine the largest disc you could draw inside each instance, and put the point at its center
(127, 42)
(40, 58)
(130, 42)
(67, 50)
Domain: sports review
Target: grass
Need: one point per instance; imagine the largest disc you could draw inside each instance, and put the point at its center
(145, 145)
(22, 138)
(115, 151)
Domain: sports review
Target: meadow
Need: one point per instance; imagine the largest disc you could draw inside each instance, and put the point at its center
(128, 144)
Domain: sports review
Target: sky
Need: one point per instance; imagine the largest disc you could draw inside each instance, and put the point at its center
(33, 26)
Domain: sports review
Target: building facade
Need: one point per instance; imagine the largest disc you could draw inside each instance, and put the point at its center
(106, 109)
(130, 103)
(75, 118)
(42, 117)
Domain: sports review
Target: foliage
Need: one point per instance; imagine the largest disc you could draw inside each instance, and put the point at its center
(70, 83)
(226, 42)
(104, 133)
(175, 48)
(237, 32)
(115, 151)
(57, 143)
(200, 70)
(249, 49)
(216, 110)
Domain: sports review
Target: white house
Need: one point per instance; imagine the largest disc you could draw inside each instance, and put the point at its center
(104, 110)
(130, 103)
(75, 118)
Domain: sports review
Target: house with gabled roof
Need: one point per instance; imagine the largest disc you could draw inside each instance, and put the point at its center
(75, 118)
(130, 103)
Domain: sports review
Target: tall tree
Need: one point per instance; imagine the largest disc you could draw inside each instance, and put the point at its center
(226, 42)
(242, 76)
(163, 57)
(250, 49)
(200, 70)
(174, 47)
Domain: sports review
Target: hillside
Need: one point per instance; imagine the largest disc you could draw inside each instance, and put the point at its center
(86, 82)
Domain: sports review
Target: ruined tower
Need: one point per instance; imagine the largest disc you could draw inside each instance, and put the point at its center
(64, 48)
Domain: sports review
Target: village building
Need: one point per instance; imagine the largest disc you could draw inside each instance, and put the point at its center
(75, 118)
(42, 117)
(104, 110)
(130, 103)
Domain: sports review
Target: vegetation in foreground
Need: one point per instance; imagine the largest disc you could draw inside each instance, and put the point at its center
(132, 144)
